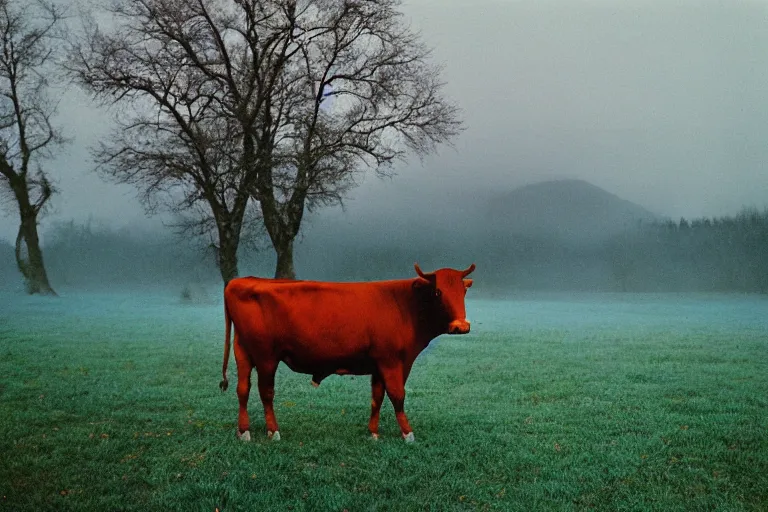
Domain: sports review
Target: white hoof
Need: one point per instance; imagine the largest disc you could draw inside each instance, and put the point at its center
(375, 437)
(275, 436)
(245, 436)
(315, 384)
(409, 438)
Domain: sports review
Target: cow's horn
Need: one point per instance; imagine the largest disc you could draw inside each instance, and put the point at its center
(420, 273)
(469, 270)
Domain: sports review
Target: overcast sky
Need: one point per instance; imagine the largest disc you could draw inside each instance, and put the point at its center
(663, 103)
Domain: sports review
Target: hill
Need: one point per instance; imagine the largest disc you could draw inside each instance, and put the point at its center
(571, 210)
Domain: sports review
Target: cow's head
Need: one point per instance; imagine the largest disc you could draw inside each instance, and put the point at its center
(445, 289)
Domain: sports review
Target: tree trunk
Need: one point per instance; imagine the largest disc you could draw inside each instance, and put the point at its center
(284, 268)
(33, 269)
(282, 227)
(282, 221)
(228, 262)
(227, 253)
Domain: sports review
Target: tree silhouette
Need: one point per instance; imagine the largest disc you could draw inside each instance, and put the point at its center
(27, 137)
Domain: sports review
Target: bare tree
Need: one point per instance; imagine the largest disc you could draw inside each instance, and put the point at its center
(354, 90)
(267, 71)
(27, 136)
(172, 139)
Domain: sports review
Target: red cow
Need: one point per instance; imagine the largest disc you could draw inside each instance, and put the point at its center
(318, 328)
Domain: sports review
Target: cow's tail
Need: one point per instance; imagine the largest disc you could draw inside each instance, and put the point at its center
(227, 328)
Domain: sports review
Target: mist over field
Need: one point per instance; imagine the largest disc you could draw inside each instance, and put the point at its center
(565, 235)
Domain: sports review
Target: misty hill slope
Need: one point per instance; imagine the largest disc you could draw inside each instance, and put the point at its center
(566, 209)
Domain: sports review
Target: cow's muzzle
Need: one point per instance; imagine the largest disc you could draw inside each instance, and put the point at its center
(458, 327)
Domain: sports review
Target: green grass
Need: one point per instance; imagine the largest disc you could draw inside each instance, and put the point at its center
(117, 407)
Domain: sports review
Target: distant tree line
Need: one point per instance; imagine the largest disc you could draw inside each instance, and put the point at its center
(725, 254)
(719, 254)
(94, 256)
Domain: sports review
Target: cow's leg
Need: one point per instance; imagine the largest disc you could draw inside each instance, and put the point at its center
(394, 383)
(317, 378)
(266, 371)
(244, 368)
(377, 397)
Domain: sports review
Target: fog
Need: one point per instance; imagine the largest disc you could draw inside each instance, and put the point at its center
(661, 103)
(705, 255)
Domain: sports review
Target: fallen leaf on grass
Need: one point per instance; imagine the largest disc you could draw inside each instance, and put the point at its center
(128, 457)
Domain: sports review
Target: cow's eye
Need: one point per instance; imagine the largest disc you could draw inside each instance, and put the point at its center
(438, 293)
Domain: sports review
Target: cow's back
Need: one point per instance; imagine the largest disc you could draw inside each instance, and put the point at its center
(310, 324)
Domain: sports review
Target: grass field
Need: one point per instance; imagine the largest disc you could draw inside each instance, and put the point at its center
(612, 402)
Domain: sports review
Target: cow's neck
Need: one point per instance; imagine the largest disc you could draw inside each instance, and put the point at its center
(428, 323)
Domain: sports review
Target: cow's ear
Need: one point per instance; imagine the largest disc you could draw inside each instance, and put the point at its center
(421, 283)
(467, 283)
